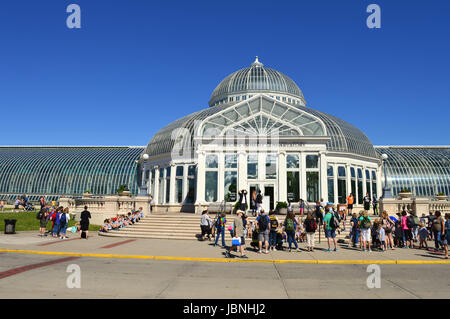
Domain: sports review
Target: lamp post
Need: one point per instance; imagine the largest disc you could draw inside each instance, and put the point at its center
(143, 191)
(386, 190)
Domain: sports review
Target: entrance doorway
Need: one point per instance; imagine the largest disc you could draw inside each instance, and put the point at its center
(268, 192)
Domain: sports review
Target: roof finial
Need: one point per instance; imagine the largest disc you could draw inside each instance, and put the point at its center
(257, 63)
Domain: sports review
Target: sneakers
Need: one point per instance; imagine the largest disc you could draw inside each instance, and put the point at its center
(298, 249)
(335, 249)
(259, 252)
(227, 254)
(266, 252)
(370, 250)
(328, 250)
(244, 256)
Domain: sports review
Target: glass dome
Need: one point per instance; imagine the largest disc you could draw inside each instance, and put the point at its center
(256, 79)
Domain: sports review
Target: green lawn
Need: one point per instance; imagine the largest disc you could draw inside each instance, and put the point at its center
(27, 221)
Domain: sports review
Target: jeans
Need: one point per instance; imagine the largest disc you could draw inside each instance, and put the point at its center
(220, 231)
(56, 229)
(355, 236)
(437, 239)
(415, 232)
(62, 229)
(291, 238)
(272, 238)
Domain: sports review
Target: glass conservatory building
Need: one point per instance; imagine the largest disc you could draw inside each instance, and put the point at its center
(257, 134)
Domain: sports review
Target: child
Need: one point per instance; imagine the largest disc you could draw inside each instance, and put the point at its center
(423, 235)
(382, 236)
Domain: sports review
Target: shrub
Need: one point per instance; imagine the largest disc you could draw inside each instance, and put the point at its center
(281, 205)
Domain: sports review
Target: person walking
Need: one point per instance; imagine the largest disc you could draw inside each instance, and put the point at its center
(367, 201)
(407, 225)
(437, 227)
(274, 224)
(238, 238)
(310, 228)
(365, 224)
(205, 225)
(259, 200)
(290, 225)
(388, 226)
(220, 223)
(84, 222)
(330, 224)
(262, 225)
(253, 203)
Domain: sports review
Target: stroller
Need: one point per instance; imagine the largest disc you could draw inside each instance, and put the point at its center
(28, 207)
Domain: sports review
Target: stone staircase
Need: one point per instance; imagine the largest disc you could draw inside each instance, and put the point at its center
(184, 226)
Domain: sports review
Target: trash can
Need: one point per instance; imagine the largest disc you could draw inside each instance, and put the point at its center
(10, 226)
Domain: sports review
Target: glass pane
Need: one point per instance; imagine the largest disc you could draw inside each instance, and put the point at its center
(167, 171)
(312, 161)
(211, 186)
(191, 191)
(180, 171)
(367, 175)
(342, 191)
(312, 186)
(167, 191)
(161, 191)
(179, 190)
(191, 170)
(368, 189)
(293, 186)
(331, 190)
(359, 173)
(352, 172)
(360, 192)
(374, 190)
(230, 186)
(330, 171)
(292, 161)
(231, 161)
(341, 171)
(211, 161)
(271, 166)
(353, 183)
(374, 175)
(252, 167)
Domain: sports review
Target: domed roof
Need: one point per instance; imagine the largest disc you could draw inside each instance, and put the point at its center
(256, 78)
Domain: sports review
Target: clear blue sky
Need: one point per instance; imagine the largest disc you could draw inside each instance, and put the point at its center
(137, 65)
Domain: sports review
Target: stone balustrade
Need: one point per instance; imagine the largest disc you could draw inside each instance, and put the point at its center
(418, 205)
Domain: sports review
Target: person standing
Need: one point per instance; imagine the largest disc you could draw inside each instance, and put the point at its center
(350, 201)
(239, 235)
(290, 225)
(388, 226)
(243, 200)
(42, 202)
(367, 201)
(274, 224)
(354, 229)
(205, 225)
(375, 205)
(437, 227)
(253, 203)
(310, 228)
(446, 231)
(262, 225)
(259, 200)
(365, 224)
(43, 220)
(302, 206)
(221, 221)
(63, 222)
(56, 225)
(84, 222)
(407, 230)
(329, 224)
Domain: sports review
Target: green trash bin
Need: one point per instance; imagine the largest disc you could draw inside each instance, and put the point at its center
(10, 226)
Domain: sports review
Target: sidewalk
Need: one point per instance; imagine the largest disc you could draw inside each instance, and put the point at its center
(99, 246)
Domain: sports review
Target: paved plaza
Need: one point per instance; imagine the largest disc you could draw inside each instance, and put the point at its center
(33, 267)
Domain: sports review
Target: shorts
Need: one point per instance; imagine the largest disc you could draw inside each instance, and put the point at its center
(350, 206)
(330, 233)
(446, 240)
(408, 234)
(264, 236)
(242, 240)
(365, 234)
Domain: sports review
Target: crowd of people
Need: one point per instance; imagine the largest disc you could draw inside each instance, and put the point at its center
(381, 232)
(122, 221)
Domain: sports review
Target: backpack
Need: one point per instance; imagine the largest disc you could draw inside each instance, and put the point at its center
(262, 223)
(218, 223)
(310, 225)
(273, 223)
(39, 215)
(365, 223)
(410, 222)
(289, 224)
(334, 222)
(416, 221)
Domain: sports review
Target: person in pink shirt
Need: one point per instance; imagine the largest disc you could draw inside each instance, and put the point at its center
(407, 234)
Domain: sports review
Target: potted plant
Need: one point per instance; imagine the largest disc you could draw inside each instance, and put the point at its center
(87, 193)
(441, 196)
(123, 191)
(237, 206)
(405, 193)
(281, 208)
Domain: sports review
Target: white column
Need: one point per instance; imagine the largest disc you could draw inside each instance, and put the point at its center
(200, 198)
(242, 171)
(220, 177)
(262, 166)
(364, 183)
(282, 177)
(172, 193)
(335, 182)
(156, 194)
(149, 182)
(323, 186)
(303, 176)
